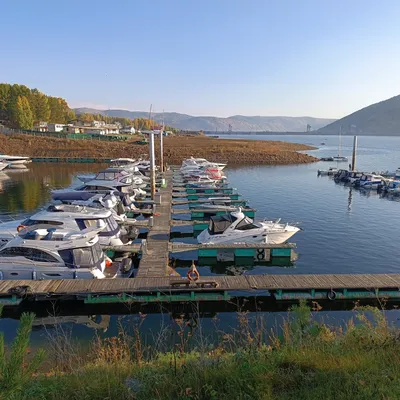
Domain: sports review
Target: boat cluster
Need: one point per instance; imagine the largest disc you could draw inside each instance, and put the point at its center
(385, 182)
(65, 240)
(229, 224)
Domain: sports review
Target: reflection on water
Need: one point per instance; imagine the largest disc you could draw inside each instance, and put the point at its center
(25, 190)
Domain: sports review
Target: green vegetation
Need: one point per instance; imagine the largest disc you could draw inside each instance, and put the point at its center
(306, 360)
(20, 107)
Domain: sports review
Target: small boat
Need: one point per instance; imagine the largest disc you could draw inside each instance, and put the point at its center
(41, 254)
(341, 175)
(14, 160)
(330, 172)
(218, 203)
(326, 159)
(353, 177)
(202, 180)
(369, 181)
(391, 186)
(201, 162)
(340, 158)
(236, 227)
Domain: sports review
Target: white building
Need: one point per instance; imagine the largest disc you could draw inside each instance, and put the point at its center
(55, 127)
(128, 130)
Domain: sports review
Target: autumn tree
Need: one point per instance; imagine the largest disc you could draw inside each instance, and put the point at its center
(40, 106)
(23, 116)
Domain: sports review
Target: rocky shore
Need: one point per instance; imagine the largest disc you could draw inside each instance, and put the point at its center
(176, 149)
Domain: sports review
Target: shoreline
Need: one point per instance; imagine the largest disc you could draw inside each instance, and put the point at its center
(176, 148)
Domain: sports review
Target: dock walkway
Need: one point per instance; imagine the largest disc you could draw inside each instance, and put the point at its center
(154, 261)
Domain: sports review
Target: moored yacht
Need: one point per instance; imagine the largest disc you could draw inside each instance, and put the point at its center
(14, 160)
(40, 254)
(73, 218)
(236, 227)
(369, 181)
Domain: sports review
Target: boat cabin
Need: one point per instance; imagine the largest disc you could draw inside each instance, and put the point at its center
(52, 254)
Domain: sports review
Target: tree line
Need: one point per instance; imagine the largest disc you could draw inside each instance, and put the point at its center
(22, 107)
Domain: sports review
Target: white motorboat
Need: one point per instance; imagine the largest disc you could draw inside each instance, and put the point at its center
(354, 177)
(201, 162)
(110, 201)
(236, 227)
(217, 203)
(69, 217)
(40, 254)
(14, 160)
(202, 180)
(329, 172)
(391, 186)
(370, 181)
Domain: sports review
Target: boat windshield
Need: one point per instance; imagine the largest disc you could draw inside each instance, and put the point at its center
(83, 257)
(220, 223)
(245, 224)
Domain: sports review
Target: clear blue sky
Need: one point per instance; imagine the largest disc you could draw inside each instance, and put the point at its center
(322, 58)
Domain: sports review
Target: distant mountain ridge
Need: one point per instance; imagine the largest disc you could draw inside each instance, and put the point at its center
(381, 118)
(236, 123)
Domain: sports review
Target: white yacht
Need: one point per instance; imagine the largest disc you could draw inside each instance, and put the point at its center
(201, 162)
(69, 217)
(354, 177)
(14, 160)
(370, 181)
(236, 227)
(330, 172)
(217, 203)
(58, 254)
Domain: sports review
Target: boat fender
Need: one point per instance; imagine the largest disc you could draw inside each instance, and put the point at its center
(260, 254)
(20, 227)
(331, 295)
(193, 274)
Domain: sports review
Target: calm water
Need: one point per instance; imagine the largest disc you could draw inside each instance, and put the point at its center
(344, 230)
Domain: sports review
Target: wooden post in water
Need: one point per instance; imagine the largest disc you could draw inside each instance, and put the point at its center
(353, 161)
(152, 167)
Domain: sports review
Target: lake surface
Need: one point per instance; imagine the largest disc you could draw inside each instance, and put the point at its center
(344, 230)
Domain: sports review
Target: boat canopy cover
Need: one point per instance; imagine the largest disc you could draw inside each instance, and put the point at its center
(72, 195)
(220, 223)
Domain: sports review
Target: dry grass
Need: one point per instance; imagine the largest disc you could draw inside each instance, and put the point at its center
(303, 360)
(176, 149)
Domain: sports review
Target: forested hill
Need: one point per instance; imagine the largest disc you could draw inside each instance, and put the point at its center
(21, 106)
(381, 118)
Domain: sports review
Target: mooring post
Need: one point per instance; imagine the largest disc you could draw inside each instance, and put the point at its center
(353, 162)
(161, 150)
(152, 167)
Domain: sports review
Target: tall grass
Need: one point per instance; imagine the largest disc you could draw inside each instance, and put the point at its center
(304, 359)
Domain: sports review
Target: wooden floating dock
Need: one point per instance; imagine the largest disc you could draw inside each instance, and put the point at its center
(215, 288)
(204, 212)
(199, 201)
(199, 196)
(71, 160)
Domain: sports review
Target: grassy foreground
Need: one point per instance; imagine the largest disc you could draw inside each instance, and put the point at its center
(307, 361)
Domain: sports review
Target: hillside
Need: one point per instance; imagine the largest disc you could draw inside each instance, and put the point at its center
(381, 118)
(238, 123)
